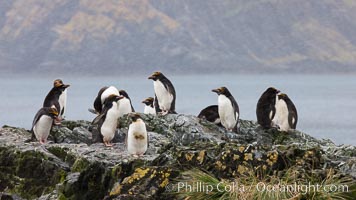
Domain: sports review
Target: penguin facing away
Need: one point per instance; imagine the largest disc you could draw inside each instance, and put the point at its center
(228, 109)
(125, 105)
(137, 137)
(286, 117)
(107, 121)
(165, 93)
(43, 122)
(149, 107)
(103, 93)
(57, 97)
(211, 113)
(265, 110)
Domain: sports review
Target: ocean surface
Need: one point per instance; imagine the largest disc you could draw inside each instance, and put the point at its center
(326, 104)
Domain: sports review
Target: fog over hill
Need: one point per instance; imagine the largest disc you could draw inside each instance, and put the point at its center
(134, 36)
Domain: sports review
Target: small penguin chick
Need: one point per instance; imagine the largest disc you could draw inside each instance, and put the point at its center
(149, 107)
(137, 137)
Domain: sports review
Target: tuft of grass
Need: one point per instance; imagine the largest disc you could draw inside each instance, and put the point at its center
(292, 184)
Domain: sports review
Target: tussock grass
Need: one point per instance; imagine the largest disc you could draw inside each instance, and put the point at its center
(253, 186)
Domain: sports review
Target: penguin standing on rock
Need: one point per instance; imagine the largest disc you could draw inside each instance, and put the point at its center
(211, 113)
(228, 109)
(107, 121)
(165, 94)
(137, 137)
(149, 107)
(286, 117)
(103, 93)
(125, 105)
(42, 123)
(57, 97)
(266, 110)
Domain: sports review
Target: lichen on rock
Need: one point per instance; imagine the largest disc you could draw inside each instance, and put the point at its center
(74, 165)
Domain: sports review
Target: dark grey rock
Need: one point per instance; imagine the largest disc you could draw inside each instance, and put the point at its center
(75, 165)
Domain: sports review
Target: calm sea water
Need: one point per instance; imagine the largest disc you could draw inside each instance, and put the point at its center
(326, 104)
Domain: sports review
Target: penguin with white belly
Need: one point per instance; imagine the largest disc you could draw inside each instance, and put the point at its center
(107, 121)
(266, 109)
(57, 97)
(149, 107)
(125, 105)
(43, 122)
(165, 94)
(137, 137)
(103, 93)
(228, 109)
(286, 117)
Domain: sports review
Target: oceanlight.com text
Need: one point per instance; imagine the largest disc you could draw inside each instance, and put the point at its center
(183, 187)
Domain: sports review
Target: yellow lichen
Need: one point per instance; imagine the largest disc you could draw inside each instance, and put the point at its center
(201, 156)
(139, 173)
(241, 169)
(236, 157)
(189, 156)
(164, 183)
(241, 149)
(116, 190)
(248, 156)
(218, 164)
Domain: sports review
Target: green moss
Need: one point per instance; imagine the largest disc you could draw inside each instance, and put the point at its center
(61, 197)
(80, 165)
(58, 151)
(279, 137)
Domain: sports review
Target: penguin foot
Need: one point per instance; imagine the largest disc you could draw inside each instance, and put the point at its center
(42, 141)
(164, 112)
(108, 144)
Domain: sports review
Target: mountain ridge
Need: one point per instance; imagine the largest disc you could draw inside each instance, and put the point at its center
(180, 36)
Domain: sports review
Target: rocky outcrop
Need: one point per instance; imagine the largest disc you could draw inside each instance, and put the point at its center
(74, 165)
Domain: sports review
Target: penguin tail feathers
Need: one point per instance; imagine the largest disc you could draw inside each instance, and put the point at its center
(172, 112)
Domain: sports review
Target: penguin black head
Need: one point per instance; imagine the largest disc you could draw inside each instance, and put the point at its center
(124, 93)
(156, 75)
(272, 91)
(223, 91)
(113, 98)
(282, 96)
(58, 83)
(148, 101)
(134, 116)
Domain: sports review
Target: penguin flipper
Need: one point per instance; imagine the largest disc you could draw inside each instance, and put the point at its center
(156, 105)
(98, 118)
(148, 140)
(292, 116)
(62, 111)
(37, 117)
(132, 108)
(93, 111)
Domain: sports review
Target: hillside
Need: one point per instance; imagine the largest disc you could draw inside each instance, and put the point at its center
(133, 36)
